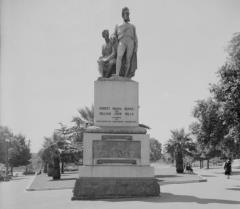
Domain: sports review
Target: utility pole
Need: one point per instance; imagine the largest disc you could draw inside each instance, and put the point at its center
(7, 164)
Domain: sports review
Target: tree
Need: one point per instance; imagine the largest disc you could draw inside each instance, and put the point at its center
(19, 152)
(14, 149)
(63, 142)
(179, 145)
(50, 146)
(5, 134)
(51, 158)
(209, 129)
(75, 133)
(155, 150)
(84, 118)
(227, 90)
(87, 114)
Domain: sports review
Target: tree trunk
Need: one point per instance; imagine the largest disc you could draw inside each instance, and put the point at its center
(179, 162)
(201, 164)
(45, 167)
(62, 167)
(50, 169)
(56, 168)
(12, 170)
(207, 163)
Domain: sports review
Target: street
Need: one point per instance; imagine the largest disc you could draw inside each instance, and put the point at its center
(218, 192)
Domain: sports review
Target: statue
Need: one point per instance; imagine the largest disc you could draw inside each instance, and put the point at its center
(125, 33)
(107, 62)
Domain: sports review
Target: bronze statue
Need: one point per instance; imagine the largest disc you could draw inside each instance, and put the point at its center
(107, 62)
(125, 33)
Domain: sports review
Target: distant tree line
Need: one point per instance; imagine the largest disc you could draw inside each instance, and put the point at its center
(216, 129)
(14, 149)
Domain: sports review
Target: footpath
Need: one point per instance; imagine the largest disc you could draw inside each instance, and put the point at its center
(165, 174)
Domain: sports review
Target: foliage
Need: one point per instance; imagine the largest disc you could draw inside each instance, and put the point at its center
(179, 145)
(155, 150)
(15, 146)
(86, 115)
(46, 155)
(63, 141)
(209, 129)
(227, 92)
(56, 141)
(19, 152)
(71, 155)
(81, 121)
(51, 158)
(5, 134)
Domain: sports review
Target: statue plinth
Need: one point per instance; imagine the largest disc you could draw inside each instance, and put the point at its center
(116, 102)
(116, 149)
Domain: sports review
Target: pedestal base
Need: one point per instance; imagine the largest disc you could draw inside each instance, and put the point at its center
(87, 188)
(116, 171)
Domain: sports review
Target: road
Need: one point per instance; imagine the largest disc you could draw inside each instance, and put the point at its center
(218, 192)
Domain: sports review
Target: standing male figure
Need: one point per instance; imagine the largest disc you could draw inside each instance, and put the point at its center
(125, 33)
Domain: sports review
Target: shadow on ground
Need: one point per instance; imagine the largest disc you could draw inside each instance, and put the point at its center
(63, 179)
(18, 178)
(169, 197)
(165, 176)
(208, 176)
(233, 173)
(236, 173)
(234, 189)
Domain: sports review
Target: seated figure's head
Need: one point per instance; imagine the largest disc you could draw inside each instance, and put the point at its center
(105, 34)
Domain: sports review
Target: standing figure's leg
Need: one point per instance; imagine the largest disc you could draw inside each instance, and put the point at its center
(120, 52)
(130, 48)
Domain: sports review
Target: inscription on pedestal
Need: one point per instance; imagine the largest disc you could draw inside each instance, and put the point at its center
(117, 149)
(116, 103)
(116, 115)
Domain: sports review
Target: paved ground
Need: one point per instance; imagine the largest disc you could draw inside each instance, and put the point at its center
(165, 174)
(43, 182)
(218, 192)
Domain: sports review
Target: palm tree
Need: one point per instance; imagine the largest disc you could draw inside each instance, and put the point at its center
(179, 145)
(75, 133)
(85, 117)
(81, 122)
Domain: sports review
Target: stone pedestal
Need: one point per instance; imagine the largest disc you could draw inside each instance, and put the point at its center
(107, 188)
(115, 150)
(116, 103)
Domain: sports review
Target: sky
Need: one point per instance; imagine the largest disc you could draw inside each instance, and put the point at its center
(49, 50)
